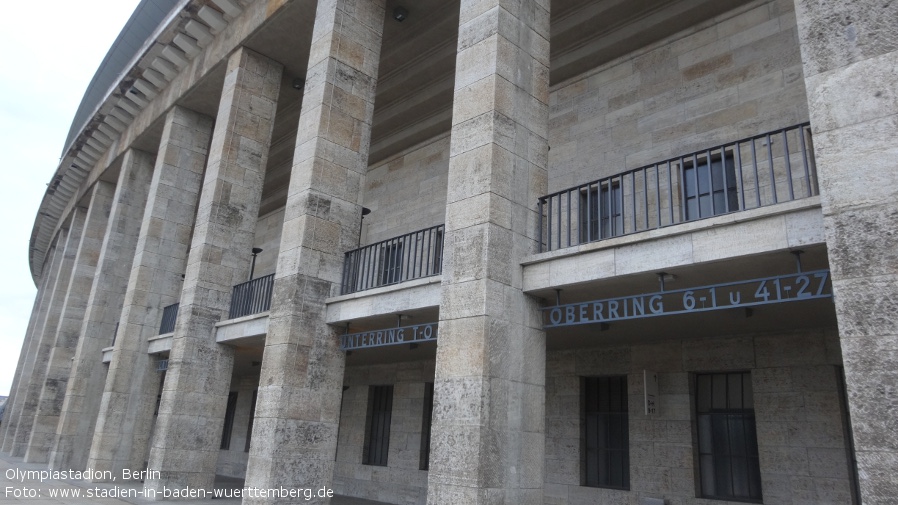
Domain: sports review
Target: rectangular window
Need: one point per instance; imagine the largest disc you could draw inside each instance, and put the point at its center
(600, 212)
(377, 434)
(425, 426)
(708, 191)
(438, 252)
(727, 441)
(391, 263)
(605, 449)
(229, 421)
(252, 417)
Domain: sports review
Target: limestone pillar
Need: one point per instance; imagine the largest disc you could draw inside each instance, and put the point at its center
(850, 55)
(63, 343)
(194, 398)
(46, 338)
(104, 306)
(26, 356)
(294, 436)
(488, 438)
(126, 416)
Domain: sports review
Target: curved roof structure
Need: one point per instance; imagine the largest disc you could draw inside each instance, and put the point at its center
(143, 23)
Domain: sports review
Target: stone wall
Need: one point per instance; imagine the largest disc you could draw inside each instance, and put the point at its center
(401, 481)
(407, 192)
(798, 416)
(268, 237)
(725, 79)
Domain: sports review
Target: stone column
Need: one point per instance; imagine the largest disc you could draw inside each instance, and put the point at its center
(294, 438)
(850, 55)
(26, 356)
(488, 438)
(125, 420)
(194, 397)
(104, 306)
(52, 392)
(46, 338)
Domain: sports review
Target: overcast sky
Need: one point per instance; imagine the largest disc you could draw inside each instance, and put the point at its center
(49, 52)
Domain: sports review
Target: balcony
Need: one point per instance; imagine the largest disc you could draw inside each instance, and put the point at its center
(251, 297)
(414, 255)
(759, 171)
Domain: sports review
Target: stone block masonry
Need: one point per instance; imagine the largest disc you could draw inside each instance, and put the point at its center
(84, 390)
(850, 55)
(46, 339)
(302, 369)
(125, 422)
(59, 366)
(185, 448)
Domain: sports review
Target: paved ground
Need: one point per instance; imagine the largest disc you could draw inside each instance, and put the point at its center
(16, 491)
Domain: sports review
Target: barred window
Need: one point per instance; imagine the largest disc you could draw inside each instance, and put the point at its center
(377, 435)
(605, 433)
(727, 440)
(229, 421)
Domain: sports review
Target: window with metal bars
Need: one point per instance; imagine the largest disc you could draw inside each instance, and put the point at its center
(426, 421)
(600, 212)
(605, 444)
(727, 440)
(709, 191)
(229, 421)
(377, 434)
(252, 417)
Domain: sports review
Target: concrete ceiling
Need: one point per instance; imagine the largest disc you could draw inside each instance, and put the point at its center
(417, 67)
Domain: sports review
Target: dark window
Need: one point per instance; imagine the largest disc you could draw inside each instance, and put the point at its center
(605, 433)
(438, 252)
(377, 436)
(252, 416)
(727, 441)
(391, 263)
(600, 212)
(425, 426)
(708, 192)
(229, 421)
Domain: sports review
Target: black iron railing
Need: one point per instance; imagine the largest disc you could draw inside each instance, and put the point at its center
(745, 174)
(411, 256)
(251, 297)
(169, 316)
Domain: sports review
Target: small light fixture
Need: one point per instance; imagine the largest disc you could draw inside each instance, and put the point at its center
(399, 14)
(299, 83)
(252, 267)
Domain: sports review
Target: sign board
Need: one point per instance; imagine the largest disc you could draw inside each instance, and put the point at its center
(651, 392)
(750, 293)
(391, 336)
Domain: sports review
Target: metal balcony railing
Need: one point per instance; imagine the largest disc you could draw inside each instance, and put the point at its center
(411, 256)
(169, 316)
(763, 170)
(251, 297)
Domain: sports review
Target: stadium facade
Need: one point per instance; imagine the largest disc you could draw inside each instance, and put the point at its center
(477, 252)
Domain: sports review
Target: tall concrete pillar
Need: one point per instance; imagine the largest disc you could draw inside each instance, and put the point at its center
(294, 438)
(26, 355)
(850, 56)
(126, 416)
(104, 306)
(195, 394)
(488, 438)
(46, 338)
(52, 392)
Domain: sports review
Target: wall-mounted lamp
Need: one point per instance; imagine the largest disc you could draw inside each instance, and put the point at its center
(399, 14)
(252, 267)
(299, 83)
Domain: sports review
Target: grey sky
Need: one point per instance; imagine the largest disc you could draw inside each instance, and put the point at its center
(49, 52)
